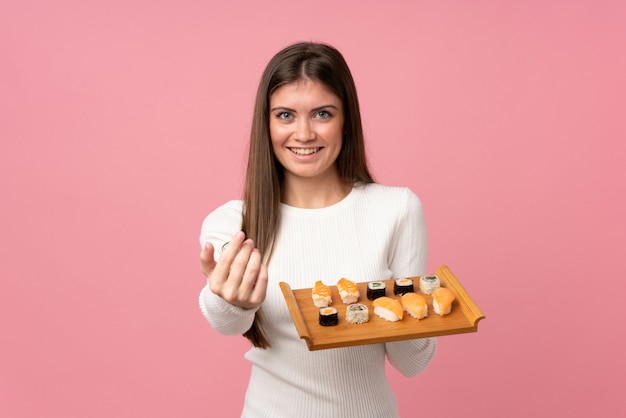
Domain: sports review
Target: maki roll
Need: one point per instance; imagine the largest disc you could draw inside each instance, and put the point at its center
(376, 290)
(357, 313)
(402, 286)
(428, 284)
(328, 316)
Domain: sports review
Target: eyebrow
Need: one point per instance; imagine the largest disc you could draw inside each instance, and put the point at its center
(312, 110)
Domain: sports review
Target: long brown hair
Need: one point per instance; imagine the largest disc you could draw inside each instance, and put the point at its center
(261, 218)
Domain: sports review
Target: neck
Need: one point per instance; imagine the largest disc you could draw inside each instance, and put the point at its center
(313, 193)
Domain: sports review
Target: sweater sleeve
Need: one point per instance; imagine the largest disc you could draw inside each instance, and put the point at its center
(412, 356)
(218, 227)
(408, 258)
(409, 248)
(225, 318)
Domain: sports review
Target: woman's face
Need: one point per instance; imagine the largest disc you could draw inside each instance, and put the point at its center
(306, 128)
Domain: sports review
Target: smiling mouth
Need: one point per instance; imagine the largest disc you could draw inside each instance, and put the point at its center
(305, 151)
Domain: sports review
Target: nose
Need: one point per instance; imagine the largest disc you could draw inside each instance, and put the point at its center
(304, 130)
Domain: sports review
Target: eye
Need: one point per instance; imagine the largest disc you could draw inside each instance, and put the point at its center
(323, 114)
(283, 115)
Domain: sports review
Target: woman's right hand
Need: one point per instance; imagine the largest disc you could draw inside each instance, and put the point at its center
(239, 276)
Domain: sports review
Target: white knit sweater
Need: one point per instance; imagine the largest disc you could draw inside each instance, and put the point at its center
(377, 232)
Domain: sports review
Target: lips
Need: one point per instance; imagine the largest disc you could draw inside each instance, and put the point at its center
(305, 151)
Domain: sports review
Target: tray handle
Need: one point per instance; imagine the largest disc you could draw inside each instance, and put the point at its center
(473, 312)
(298, 319)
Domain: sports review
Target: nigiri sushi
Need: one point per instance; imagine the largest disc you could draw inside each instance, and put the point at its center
(388, 309)
(321, 295)
(415, 305)
(442, 301)
(348, 291)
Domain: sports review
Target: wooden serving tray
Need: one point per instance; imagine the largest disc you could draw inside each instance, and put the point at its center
(463, 318)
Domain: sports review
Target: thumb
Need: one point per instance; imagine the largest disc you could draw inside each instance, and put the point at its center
(207, 259)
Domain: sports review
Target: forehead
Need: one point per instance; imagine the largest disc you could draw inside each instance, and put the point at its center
(304, 92)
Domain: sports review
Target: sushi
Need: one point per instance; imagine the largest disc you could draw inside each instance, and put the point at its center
(348, 291)
(388, 309)
(321, 295)
(376, 290)
(402, 286)
(357, 313)
(328, 316)
(442, 301)
(415, 305)
(428, 284)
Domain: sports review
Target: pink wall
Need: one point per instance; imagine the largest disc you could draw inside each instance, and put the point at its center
(122, 124)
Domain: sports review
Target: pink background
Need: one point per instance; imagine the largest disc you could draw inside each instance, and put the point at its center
(123, 123)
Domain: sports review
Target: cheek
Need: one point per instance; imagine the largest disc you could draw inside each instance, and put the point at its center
(337, 132)
(277, 132)
(276, 142)
(274, 136)
(337, 136)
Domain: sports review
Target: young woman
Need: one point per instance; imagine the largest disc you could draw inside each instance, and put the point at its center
(311, 211)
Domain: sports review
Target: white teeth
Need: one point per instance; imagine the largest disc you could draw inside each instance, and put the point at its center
(304, 151)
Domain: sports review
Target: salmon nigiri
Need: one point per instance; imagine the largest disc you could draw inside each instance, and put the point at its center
(321, 295)
(415, 305)
(442, 300)
(348, 291)
(388, 309)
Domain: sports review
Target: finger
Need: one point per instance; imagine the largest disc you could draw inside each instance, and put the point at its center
(254, 284)
(251, 273)
(207, 260)
(228, 255)
(240, 264)
(260, 287)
